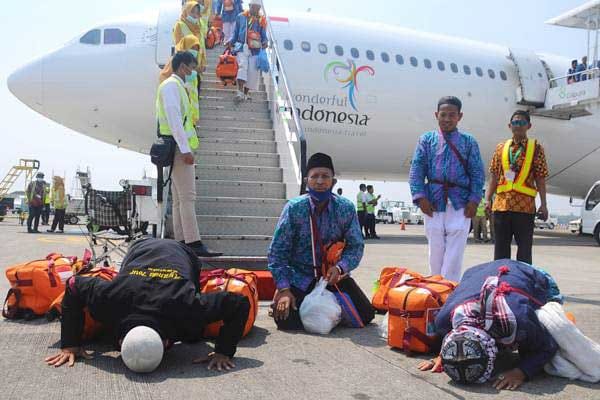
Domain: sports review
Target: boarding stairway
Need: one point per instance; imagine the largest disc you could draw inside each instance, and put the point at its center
(247, 165)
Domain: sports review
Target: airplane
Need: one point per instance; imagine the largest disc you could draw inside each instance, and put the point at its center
(364, 98)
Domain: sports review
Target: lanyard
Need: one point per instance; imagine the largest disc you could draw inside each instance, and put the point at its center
(513, 157)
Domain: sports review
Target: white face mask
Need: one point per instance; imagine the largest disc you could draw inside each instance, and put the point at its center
(40, 179)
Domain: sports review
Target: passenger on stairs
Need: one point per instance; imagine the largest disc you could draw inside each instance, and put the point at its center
(192, 23)
(249, 36)
(291, 260)
(174, 113)
(188, 43)
(228, 10)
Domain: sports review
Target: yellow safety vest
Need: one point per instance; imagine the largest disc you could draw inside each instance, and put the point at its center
(370, 207)
(47, 199)
(518, 185)
(186, 110)
(359, 203)
(56, 195)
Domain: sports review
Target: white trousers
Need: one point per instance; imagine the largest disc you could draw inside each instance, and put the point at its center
(228, 28)
(447, 234)
(185, 225)
(247, 69)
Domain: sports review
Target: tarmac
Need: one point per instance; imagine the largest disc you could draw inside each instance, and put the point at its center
(347, 364)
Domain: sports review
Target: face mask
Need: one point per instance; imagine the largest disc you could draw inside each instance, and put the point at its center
(319, 196)
(201, 8)
(190, 78)
(194, 53)
(40, 179)
(192, 19)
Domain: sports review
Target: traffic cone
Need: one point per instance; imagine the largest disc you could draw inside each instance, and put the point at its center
(403, 226)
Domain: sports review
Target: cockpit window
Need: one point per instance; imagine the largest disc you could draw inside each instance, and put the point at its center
(92, 37)
(114, 36)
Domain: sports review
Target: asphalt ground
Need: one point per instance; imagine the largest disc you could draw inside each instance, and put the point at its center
(347, 364)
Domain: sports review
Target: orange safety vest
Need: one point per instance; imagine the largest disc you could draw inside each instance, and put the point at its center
(518, 184)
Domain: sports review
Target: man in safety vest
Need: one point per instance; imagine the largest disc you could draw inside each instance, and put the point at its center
(174, 114)
(361, 208)
(480, 231)
(518, 172)
(371, 204)
(47, 204)
(35, 201)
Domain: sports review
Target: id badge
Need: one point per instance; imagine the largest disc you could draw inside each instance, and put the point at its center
(510, 175)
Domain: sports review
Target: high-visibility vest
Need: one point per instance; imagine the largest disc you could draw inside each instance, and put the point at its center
(370, 207)
(481, 208)
(359, 202)
(186, 109)
(47, 198)
(56, 195)
(518, 185)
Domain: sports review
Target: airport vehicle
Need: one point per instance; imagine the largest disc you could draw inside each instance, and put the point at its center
(319, 52)
(393, 212)
(590, 213)
(550, 223)
(575, 226)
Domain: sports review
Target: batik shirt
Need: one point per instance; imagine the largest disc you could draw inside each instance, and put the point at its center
(434, 160)
(290, 253)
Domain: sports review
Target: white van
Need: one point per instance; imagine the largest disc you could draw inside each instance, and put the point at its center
(590, 213)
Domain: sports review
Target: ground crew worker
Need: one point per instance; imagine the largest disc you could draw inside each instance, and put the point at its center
(291, 261)
(47, 205)
(446, 181)
(174, 114)
(361, 209)
(158, 288)
(59, 202)
(493, 309)
(371, 221)
(249, 36)
(192, 23)
(36, 198)
(480, 230)
(518, 172)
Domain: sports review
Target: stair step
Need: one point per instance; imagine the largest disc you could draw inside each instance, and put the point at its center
(202, 129)
(238, 245)
(250, 189)
(239, 173)
(230, 104)
(225, 225)
(230, 94)
(251, 207)
(227, 144)
(210, 83)
(209, 111)
(237, 158)
(230, 122)
(207, 133)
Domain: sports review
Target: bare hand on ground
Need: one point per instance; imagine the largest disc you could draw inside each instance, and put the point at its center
(434, 365)
(217, 361)
(510, 380)
(68, 354)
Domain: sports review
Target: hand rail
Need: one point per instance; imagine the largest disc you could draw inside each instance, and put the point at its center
(280, 81)
(592, 73)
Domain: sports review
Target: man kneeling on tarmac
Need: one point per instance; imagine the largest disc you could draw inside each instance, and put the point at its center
(152, 303)
(333, 220)
(493, 309)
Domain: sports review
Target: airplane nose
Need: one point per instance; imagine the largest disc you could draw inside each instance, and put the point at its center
(26, 84)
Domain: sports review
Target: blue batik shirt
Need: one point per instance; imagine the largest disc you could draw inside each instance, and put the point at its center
(434, 160)
(290, 253)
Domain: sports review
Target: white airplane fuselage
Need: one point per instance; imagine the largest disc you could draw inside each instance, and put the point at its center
(107, 91)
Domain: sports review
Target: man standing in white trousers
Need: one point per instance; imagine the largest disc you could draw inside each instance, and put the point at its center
(446, 181)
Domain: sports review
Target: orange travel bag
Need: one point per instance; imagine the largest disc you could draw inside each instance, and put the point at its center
(35, 285)
(217, 22)
(234, 281)
(413, 306)
(389, 278)
(90, 327)
(227, 68)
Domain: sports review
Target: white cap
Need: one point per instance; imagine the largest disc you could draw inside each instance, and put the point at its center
(142, 349)
(255, 3)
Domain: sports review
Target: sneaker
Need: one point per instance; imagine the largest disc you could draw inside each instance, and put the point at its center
(201, 251)
(248, 98)
(239, 97)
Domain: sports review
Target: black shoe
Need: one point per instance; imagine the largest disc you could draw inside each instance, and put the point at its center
(29, 230)
(375, 237)
(60, 231)
(35, 231)
(201, 251)
(49, 231)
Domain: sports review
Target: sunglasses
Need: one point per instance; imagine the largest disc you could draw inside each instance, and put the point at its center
(519, 122)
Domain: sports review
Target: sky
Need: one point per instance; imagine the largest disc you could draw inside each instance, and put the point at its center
(26, 134)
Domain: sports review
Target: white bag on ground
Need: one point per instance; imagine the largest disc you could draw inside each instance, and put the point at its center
(578, 356)
(383, 326)
(320, 311)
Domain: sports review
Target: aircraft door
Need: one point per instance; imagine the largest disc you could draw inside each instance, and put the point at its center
(164, 42)
(533, 78)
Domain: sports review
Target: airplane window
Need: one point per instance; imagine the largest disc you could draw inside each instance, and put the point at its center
(441, 65)
(92, 37)
(491, 73)
(385, 57)
(114, 36)
(288, 45)
(467, 70)
(339, 50)
(479, 71)
(399, 59)
(454, 68)
(414, 62)
(370, 55)
(322, 48)
(503, 75)
(305, 46)
(427, 63)
(354, 52)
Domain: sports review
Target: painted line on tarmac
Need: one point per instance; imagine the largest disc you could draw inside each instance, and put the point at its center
(66, 239)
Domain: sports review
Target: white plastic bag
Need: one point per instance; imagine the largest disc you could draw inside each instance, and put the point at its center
(320, 311)
(383, 326)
